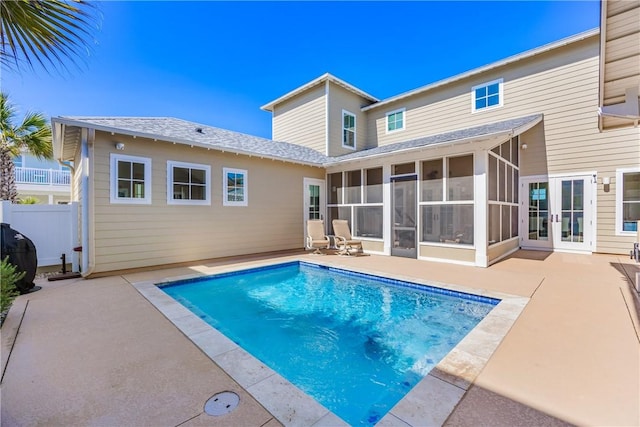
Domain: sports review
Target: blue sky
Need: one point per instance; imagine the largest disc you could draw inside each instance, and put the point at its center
(216, 63)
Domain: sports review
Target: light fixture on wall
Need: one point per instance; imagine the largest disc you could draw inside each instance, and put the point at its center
(606, 180)
(524, 146)
(120, 146)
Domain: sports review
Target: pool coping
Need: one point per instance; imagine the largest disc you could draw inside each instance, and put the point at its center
(430, 402)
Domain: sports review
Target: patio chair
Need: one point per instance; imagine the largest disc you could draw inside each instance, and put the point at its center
(344, 241)
(316, 239)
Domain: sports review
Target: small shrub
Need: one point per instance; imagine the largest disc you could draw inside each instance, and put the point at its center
(29, 200)
(8, 279)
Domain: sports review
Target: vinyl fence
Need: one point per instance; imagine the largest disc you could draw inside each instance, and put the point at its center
(51, 228)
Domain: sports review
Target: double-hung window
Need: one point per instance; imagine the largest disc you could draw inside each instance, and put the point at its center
(234, 187)
(130, 179)
(188, 183)
(627, 201)
(348, 129)
(487, 95)
(395, 120)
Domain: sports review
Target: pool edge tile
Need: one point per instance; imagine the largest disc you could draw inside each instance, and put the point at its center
(290, 405)
(243, 367)
(430, 403)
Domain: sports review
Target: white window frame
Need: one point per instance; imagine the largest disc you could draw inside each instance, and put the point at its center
(500, 95)
(225, 201)
(114, 198)
(619, 191)
(355, 130)
(404, 120)
(207, 185)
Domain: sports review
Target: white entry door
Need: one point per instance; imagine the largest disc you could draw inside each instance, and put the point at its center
(557, 213)
(314, 201)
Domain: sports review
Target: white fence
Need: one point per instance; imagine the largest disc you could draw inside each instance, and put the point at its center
(53, 229)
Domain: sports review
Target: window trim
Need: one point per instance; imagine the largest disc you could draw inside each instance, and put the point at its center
(225, 201)
(500, 82)
(355, 130)
(619, 190)
(207, 191)
(404, 120)
(113, 179)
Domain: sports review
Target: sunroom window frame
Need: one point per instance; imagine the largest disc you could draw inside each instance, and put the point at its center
(445, 201)
(341, 202)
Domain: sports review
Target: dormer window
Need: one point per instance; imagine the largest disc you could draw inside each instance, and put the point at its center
(395, 120)
(348, 129)
(487, 95)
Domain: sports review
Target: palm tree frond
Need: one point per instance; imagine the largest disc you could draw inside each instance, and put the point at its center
(46, 31)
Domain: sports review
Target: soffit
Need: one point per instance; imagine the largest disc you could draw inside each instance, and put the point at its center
(620, 56)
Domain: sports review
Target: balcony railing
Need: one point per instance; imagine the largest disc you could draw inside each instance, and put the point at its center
(42, 176)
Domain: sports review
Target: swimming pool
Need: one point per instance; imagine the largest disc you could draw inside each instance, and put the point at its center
(355, 342)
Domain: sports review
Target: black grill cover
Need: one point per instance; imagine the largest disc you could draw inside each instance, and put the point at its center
(22, 254)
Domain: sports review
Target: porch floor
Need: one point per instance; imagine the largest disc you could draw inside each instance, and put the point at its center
(96, 352)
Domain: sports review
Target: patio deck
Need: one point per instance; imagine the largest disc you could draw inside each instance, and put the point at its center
(96, 352)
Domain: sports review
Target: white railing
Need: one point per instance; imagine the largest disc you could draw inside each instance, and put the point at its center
(42, 176)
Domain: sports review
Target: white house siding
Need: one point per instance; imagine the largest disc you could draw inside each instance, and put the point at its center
(131, 236)
(561, 84)
(302, 120)
(342, 99)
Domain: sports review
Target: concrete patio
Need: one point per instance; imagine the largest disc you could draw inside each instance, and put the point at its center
(97, 352)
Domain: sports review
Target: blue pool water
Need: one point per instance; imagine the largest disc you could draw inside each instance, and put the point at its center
(356, 343)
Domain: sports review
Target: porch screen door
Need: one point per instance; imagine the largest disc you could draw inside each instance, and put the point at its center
(403, 227)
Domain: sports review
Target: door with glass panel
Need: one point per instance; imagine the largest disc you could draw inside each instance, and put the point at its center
(571, 213)
(314, 201)
(403, 226)
(536, 232)
(559, 214)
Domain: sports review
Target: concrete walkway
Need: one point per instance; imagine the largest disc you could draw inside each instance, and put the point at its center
(95, 352)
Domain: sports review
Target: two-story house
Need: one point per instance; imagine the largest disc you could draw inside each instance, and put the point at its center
(521, 153)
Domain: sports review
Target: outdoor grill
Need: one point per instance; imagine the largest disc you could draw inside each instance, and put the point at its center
(22, 254)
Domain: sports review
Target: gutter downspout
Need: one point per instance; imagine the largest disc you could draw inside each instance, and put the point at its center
(84, 210)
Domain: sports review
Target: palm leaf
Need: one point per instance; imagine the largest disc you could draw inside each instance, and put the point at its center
(47, 32)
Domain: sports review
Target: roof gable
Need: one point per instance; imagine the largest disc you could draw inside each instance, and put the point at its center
(320, 80)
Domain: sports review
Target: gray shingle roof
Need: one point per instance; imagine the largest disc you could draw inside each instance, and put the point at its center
(185, 132)
(510, 125)
(190, 133)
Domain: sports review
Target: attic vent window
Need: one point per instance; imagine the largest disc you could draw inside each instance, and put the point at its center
(199, 130)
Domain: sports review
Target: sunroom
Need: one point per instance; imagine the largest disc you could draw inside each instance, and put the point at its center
(451, 197)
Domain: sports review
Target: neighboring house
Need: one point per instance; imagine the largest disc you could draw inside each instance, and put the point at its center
(45, 180)
(465, 170)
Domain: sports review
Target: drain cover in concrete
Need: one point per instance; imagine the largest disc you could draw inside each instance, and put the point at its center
(221, 403)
